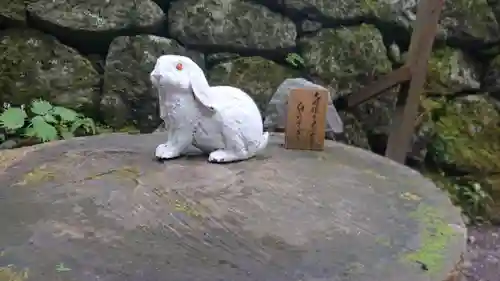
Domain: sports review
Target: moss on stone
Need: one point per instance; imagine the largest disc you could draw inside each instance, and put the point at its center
(255, 75)
(435, 236)
(470, 19)
(471, 131)
(14, 11)
(9, 273)
(451, 71)
(35, 65)
(346, 57)
(41, 174)
(465, 134)
(97, 15)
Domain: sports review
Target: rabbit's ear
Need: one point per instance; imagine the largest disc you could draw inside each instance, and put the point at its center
(200, 87)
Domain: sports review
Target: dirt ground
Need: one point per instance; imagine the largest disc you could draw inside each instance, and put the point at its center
(483, 262)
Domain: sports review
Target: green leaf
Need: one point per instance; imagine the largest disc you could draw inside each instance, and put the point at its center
(40, 107)
(13, 118)
(42, 130)
(86, 123)
(65, 133)
(66, 114)
(49, 118)
(2, 137)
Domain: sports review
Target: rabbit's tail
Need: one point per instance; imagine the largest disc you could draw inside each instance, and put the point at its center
(263, 143)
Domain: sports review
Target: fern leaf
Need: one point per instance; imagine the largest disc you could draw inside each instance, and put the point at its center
(13, 118)
(40, 107)
(66, 114)
(42, 130)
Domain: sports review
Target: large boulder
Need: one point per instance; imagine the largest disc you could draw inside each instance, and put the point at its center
(128, 98)
(462, 20)
(91, 25)
(347, 59)
(35, 65)
(255, 75)
(99, 208)
(230, 23)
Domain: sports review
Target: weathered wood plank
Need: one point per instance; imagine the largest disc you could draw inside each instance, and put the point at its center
(306, 117)
(377, 87)
(425, 29)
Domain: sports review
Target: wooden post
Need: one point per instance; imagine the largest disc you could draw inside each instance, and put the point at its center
(425, 29)
(306, 117)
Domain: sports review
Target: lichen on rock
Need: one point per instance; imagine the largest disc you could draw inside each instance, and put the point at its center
(255, 75)
(128, 97)
(230, 23)
(95, 15)
(460, 19)
(95, 21)
(451, 71)
(35, 65)
(13, 13)
(465, 133)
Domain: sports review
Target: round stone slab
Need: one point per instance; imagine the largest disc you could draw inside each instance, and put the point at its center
(102, 208)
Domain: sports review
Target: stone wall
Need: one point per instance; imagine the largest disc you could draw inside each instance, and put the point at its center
(95, 56)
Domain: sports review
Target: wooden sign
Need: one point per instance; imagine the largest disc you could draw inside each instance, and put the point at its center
(306, 117)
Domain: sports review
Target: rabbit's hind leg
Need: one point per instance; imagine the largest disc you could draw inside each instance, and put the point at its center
(235, 148)
(178, 140)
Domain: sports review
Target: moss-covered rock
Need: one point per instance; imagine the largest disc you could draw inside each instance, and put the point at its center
(236, 23)
(465, 134)
(96, 21)
(347, 59)
(128, 98)
(451, 71)
(13, 13)
(35, 65)
(460, 19)
(255, 75)
(467, 20)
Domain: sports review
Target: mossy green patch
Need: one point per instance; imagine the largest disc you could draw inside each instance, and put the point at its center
(435, 235)
(35, 65)
(9, 273)
(179, 204)
(44, 173)
(463, 138)
(255, 75)
(450, 71)
(346, 57)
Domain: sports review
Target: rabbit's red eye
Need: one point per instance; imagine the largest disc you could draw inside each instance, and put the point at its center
(179, 66)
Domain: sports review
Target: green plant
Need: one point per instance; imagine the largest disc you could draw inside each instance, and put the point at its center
(44, 122)
(295, 60)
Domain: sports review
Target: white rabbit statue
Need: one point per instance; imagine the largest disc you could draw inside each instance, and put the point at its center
(221, 121)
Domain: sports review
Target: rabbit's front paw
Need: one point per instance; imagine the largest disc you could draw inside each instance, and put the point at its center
(164, 152)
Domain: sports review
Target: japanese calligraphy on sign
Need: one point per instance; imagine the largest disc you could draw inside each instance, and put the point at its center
(306, 113)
